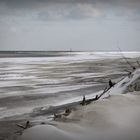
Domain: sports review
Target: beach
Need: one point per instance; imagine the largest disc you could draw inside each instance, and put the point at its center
(34, 88)
(117, 117)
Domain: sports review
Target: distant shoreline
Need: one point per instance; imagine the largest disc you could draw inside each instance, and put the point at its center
(4, 54)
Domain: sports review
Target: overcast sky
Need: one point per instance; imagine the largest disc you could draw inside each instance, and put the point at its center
(64, 24)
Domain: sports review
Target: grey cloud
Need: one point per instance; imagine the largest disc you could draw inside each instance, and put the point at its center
(69, 9)
(24, 24)
(66, 11)
(24, 3)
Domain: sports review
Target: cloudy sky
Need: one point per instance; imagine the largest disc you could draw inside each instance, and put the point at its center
(64, 24)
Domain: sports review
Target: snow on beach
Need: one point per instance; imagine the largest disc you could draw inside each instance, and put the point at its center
(31, 87)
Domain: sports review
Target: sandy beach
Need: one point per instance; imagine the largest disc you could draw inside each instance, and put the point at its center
(113, 118)
(35, 88)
